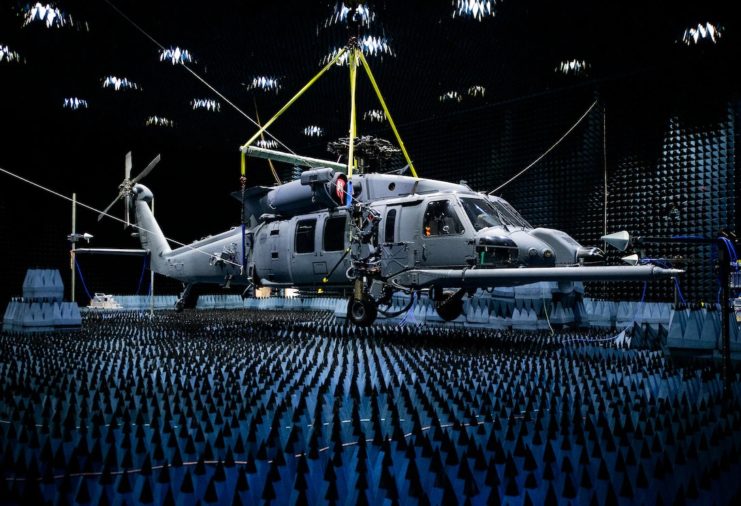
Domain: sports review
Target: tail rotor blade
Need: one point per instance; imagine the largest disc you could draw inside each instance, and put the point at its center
(126, 186)
(146, 170)
(127, 167)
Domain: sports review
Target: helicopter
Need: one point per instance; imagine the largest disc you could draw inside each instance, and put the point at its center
(374, 233)
(383, 234)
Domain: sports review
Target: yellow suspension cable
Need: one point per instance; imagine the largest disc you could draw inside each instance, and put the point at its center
(294, 98)
(386, 111)
(270, 162)
(353, 75)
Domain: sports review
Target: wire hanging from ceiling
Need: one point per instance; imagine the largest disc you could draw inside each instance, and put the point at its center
(104, 213)
(197, 76)
(547, 150)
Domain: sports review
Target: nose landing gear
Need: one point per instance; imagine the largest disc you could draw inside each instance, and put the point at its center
(363, 311)
(449, 305)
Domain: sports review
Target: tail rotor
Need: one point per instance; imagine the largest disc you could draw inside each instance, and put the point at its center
(126, 187)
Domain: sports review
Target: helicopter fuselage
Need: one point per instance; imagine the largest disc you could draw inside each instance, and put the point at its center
(398, 233)
(450, 227)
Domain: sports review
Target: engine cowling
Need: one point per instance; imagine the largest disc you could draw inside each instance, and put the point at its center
(317, 189)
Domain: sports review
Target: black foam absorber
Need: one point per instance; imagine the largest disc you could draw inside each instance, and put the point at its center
(247, 407)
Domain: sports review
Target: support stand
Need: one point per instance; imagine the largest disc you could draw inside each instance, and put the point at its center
(723, 245)
(73, 276)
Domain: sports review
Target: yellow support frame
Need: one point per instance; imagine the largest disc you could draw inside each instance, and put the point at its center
(290, 103)
(355, 56)
(388, 114)
(353, 127)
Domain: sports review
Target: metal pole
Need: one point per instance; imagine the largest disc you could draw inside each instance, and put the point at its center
(72, 253)
(604, 163)
(725, 315)
(151, 277)
(604, 192)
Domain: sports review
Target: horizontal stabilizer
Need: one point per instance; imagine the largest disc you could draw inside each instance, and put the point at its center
(113, 251)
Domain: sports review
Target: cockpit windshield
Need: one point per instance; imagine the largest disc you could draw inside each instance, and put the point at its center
(481, 213)
(509, 214)
(484, 213)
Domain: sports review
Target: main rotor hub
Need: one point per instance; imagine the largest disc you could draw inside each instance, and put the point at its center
(366, 147)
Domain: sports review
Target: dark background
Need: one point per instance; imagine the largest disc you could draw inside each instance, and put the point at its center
(666, 113)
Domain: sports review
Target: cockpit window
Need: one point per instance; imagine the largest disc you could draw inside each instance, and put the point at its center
(441, 219)
(485, 213)
(509, 214)
(481, 213)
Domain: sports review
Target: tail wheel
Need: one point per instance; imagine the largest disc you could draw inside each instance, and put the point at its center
(362, 312)
(450, 305)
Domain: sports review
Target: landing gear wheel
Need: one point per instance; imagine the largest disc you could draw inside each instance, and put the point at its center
(362, 312)
(248, 292)
(187, 299)
(450, 307)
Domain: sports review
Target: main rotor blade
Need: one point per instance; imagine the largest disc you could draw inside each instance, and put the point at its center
(146, 170)
(105, 211)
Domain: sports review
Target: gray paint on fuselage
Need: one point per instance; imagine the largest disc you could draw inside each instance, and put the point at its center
(276, 260)
(272, 257)
(199, 263)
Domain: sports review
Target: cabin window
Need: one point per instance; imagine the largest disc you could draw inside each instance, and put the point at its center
(305, 236)
(441, 219)
(334, 233)
(388, 235)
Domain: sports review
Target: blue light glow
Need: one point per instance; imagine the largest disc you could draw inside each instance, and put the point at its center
(450, 96)
(119, 83)
(264, 83)
(159, 121)
(313, 131)
(476, 91)
(363, 15)
(176, 55)
(371, 45)
(266, 144)
(6, 55)
(206, 104)
(50, 16)
(702, 32)
(75, 103)
(374, 115)
(475, 9)
(573, 67)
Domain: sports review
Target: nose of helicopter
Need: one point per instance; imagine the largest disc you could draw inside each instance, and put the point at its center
(533, 251)
(532, 248)
(497, 248)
